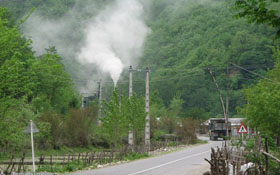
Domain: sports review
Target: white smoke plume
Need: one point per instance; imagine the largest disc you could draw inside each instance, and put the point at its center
(102, 40)
(115, 38)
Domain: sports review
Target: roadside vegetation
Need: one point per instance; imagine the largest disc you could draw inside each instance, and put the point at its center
(262, 108)
(185, 39)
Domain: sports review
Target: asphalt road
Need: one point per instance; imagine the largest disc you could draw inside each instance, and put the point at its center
(189, 161)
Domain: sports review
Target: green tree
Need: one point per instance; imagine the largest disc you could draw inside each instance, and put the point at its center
(190, 36)
(17, 79)
(175, 106)
(79, 126)
(12, 44)
(29, 87)
(115, 124)
(260, 11)
(136, 117)
(14, 115)
(55, 86)
(262, 110)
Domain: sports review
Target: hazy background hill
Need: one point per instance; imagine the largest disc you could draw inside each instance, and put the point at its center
(186, 37)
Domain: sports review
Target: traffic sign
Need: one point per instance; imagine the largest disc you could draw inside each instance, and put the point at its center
(242, 129)
(34, 128)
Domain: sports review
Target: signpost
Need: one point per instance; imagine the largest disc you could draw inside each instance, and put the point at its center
(32, 128)
(242, 129)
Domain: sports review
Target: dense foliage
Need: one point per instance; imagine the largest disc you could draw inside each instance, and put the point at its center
(187, 38)
(263, 101)
(262, 109)
(260, 11)
(49, 8)
(121, 116)
(38, 88)
(29, 87)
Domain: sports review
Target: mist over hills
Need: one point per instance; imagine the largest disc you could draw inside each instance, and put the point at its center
(185, 38)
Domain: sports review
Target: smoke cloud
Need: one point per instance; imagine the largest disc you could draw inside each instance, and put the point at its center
(95, 39)
(114, 39)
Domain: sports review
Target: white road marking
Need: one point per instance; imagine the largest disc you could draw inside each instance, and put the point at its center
(155, 167)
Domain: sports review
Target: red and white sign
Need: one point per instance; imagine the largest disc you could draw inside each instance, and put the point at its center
(242, 129)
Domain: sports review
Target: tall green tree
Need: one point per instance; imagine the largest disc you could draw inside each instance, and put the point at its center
(136, 117)
(262, 111)
(260, 11)
(29, 87)
(115, 124)
(176, 106)
(190, 36)
(55, 86)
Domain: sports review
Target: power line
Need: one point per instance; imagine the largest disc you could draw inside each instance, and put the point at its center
(219, 67)
(253, 72)
(151, 81)
(176, 74)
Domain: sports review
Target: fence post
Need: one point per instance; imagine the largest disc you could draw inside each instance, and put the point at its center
(68, 158)
(86, 159)
(103, 158)
(112, 156)
(266, 157)
(10, 164)
(79, 157)
(40, 161)
(63, 160)
(20, 163)
(238, 168)
(51, 162)
(216, 162)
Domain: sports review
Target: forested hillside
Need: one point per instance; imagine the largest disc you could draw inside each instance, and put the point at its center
(189, 37)
(186, 39)
(29, 87)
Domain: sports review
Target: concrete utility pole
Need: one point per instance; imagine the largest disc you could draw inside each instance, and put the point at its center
(130, 134)
(147, 127)
(100, 102)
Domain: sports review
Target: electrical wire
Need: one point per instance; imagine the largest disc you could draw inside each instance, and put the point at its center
(180, 74)
(253, 72)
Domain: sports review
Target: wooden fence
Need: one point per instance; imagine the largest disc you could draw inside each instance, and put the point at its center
(20, 164)
(218, 162)
(230, 160)
(89, 158)
(225, 156)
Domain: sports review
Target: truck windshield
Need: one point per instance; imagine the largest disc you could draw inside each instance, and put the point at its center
(219, 126)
